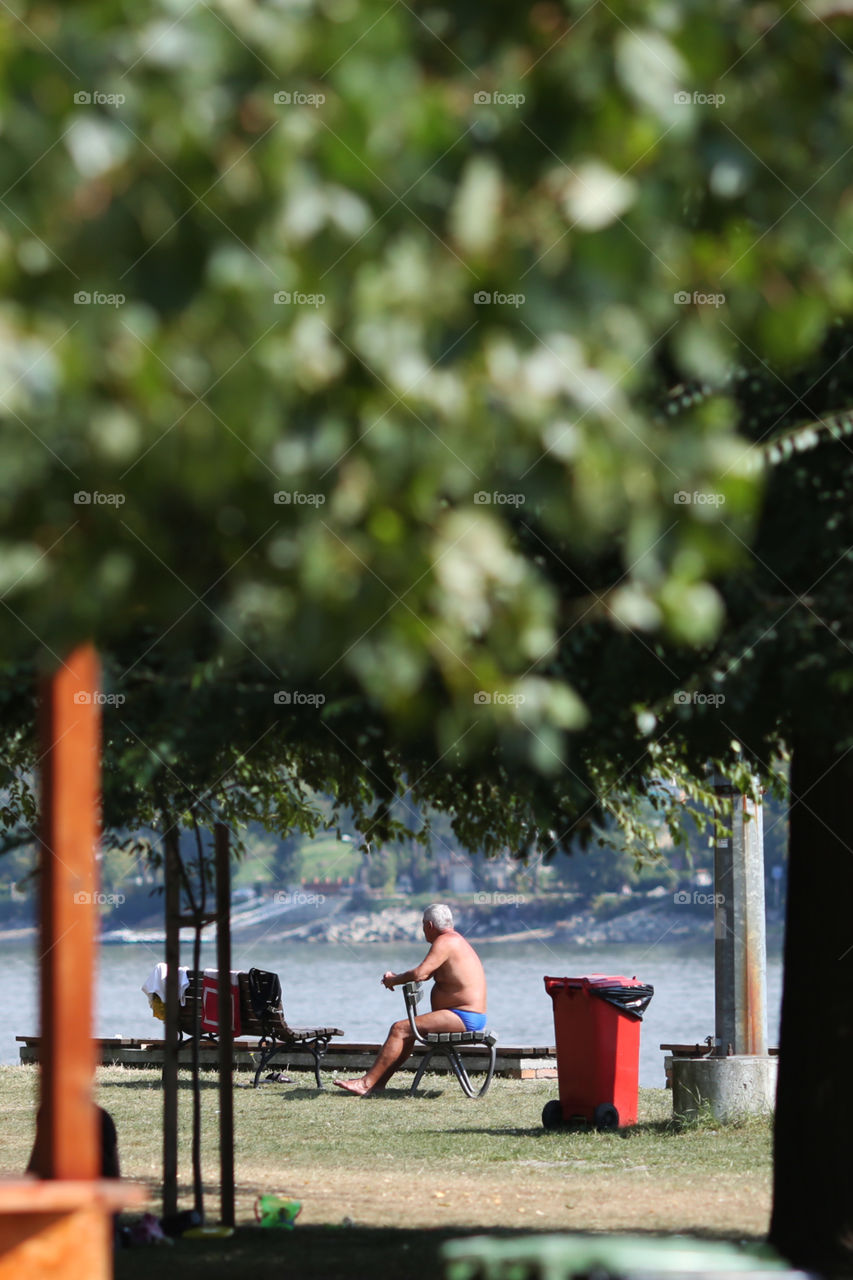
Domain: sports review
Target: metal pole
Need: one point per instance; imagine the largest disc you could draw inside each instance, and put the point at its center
(750, 975)
(724, 1021)
(226, 1029)
(170, 1051)
(739, 928)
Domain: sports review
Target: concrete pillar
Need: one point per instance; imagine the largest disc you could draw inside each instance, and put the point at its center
(734, 1087)
(739, 1078)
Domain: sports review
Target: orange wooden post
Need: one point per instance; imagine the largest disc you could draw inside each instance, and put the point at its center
(70, 771)
(60, 1229)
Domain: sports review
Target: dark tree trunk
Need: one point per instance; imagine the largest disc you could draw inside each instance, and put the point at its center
(812, 1223)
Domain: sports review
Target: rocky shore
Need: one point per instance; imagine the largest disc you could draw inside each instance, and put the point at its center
(536, 919)
(504, 918)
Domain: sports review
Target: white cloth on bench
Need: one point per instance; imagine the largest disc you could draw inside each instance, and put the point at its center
(155, 984)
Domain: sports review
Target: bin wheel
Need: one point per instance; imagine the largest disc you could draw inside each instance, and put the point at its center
(606, 1116)
(552, 1115)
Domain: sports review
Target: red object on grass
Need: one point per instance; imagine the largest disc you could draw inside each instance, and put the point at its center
(597, 1024)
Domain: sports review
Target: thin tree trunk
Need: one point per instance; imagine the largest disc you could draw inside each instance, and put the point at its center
(198, 912)
(812, 1223)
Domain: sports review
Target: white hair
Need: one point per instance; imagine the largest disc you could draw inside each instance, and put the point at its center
(439, 915)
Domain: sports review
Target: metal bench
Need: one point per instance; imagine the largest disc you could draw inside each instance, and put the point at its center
(447, 1042)
(274, 1035)
(277, 1037)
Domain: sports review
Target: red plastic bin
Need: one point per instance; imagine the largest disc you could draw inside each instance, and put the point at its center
(597, 1025)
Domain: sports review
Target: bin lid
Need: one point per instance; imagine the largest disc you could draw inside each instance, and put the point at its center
(625, 994)
(590, 980)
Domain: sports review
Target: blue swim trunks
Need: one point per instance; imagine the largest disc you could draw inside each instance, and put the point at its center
(473, 1021)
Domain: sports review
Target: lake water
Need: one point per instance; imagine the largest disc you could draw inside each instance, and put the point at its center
(339, 985)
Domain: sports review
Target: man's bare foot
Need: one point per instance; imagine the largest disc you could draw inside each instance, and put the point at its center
(358, 1087)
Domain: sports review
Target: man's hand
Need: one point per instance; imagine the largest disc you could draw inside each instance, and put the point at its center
(388, 980)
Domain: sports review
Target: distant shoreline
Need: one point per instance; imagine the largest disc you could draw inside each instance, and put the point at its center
(505, 918)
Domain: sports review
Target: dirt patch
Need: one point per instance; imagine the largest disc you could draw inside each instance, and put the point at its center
(553, 1197)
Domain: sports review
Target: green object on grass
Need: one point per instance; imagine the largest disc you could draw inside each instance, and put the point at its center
(277, 1211)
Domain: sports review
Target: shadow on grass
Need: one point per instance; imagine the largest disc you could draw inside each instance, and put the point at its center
(155, 1086)
(509, 1132)
(312, 1253)
(300, 1093)
(321, 1253)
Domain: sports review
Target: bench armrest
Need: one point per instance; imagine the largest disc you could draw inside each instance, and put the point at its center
(412, 995)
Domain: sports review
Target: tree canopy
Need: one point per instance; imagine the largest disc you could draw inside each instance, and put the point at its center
(387, 359)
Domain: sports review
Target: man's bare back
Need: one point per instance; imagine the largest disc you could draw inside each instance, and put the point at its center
(459, 980)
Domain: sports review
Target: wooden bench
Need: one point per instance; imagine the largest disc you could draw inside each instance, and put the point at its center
(275, 1037)
(447, 1042)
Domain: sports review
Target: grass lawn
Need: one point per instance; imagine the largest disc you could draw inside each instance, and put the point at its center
(384, 1180)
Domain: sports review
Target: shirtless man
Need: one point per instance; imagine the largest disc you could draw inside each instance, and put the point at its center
(458, 998)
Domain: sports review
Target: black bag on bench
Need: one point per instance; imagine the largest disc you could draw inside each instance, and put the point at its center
(265, 996)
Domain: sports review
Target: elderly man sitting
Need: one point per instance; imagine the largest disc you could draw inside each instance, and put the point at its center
(458, 998)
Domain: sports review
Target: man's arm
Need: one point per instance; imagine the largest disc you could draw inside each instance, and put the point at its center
(433, 960)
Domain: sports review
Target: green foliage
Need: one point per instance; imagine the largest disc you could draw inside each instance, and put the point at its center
(511, 661)
(382, 869)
